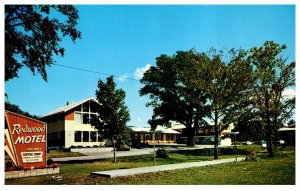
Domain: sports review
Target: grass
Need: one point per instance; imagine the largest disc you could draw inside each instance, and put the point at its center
(267, 171)
(61, 154)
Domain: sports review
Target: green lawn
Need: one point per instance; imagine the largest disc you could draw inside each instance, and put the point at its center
(61, 154)
(266, 171)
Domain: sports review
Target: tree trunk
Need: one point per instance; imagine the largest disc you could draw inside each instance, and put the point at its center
(216, 143)
(269, 128)
(190, 135)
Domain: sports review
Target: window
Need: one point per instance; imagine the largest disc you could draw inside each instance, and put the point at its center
(85, 118)
(82, 118)
(77, 136)
(86, 136)
(78, 118)
(169, 137)
(93, 136)
(158, 137)
(147, 137)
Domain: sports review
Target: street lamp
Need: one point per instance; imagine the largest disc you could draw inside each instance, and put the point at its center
(235, 148)
(154, 147)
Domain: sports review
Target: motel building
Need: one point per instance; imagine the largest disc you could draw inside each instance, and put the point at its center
(144, 135)
(70, 125)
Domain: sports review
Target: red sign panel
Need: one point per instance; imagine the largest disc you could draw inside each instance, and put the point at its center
(25, 140)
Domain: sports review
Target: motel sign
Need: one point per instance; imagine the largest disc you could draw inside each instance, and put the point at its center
(25, 140)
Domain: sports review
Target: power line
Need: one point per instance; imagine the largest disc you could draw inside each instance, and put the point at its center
(95, 72)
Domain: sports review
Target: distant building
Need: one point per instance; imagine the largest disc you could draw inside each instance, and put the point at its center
(144, 135)
(288, 134)
(70, 125)
(203, 135)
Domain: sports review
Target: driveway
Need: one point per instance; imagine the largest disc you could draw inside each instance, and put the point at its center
(133, 152)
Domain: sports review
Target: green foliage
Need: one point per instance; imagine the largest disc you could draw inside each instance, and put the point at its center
(273, 76)
(50, 161)
(250, 127)
(171, 96)
(113, 113)
(244, 87)
(15, 108)
(33, 34)
(162, 153)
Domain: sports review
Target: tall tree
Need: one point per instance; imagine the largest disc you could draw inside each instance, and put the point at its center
(171, 97)
(113, 113)
(227, 84)
(273, 77)
(33, 34)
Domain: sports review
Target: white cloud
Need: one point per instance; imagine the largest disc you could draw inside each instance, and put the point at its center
(123, 77)
(139, 72)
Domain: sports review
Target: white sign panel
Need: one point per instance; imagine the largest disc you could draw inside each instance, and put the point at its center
(29, 157)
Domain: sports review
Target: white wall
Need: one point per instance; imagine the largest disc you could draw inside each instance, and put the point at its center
(71, 127)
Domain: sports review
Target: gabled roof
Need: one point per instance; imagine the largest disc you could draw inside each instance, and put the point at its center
(148, 130)
(70, 106)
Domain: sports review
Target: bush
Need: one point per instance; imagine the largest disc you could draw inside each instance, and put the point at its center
(123, 147)
(72, 147)
(9, 164)
(54, 165)
(49, 161)
(251, 156)
(278, 154)
(162, 153)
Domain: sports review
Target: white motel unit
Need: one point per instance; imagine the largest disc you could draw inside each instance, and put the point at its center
(70, 125)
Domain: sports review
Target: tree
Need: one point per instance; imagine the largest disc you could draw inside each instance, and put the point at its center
(250, 127)
(273, 77)
(171, 97)
(227, 85)
(15, 108)
(113, 113)
(33, 34)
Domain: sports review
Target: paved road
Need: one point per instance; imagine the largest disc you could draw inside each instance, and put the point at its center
(133, 152)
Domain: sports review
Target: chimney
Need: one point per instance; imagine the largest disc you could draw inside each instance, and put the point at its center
(69, 102)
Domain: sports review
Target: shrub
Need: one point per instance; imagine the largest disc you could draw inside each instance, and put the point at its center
(162, 153)
(123, 147)
(251, 156)
(278, 154)
(54, 165)
(9, 164)
(49, 161)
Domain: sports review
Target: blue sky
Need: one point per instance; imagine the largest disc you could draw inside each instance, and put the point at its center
(124, 40)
